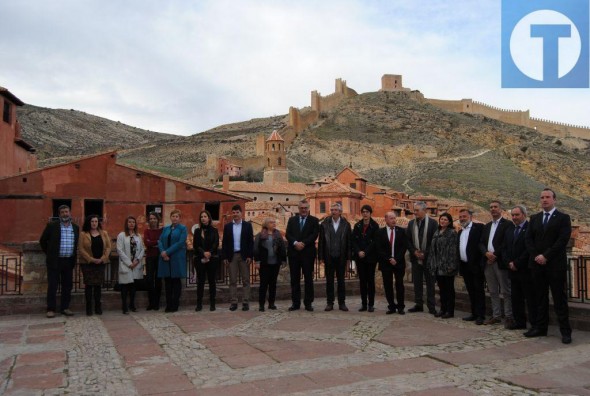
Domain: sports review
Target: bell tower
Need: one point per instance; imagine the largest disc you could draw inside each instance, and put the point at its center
(275, 160)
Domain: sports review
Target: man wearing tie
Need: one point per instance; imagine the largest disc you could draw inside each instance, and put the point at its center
(391, 247)
(546, 238)
(238, 251)
(470, 265)
(302, 232)
(495, 270)
(334, 252)
(516, 258)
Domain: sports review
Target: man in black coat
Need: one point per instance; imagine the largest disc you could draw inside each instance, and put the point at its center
(470, 265)
(238, 251)
(546, 238)
(302, 232)
(516, 258)
(59, 241)
(420, 232)
(334, 252)
(392, 245)
(495, 270)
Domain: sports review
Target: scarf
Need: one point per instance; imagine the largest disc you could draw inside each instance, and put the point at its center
(416, 238)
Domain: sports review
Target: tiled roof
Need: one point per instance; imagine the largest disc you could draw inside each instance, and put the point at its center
(267, 205)
(274, 136)
(337, 187)
(277, 188)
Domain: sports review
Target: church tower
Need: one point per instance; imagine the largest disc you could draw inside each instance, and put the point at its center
(275, 160)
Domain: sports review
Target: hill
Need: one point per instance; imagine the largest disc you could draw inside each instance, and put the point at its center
(389, 137)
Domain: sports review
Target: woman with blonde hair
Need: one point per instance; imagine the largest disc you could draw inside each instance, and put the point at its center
(131, 251)
(270, 253)
(172, 264)
(94, 250)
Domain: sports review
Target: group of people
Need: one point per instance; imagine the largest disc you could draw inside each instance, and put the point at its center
(519, 259)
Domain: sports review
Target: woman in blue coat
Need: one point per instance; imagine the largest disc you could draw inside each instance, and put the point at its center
(172, 263)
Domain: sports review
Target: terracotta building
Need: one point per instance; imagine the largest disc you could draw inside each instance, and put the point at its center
(16, 155)
(99, 185)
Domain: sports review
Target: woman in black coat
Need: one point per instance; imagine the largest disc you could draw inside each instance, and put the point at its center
(270, 252)
(443, 262)
(205, 246)
(365, 256)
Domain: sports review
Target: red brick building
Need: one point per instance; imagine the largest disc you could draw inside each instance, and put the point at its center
(16, 155)
(99, 185)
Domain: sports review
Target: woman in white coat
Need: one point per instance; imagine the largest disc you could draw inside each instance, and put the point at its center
(131, 251)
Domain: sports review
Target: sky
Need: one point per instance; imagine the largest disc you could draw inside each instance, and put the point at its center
(183, 67)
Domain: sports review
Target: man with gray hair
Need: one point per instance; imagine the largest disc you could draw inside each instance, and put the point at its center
(334, 252)
(419, 235)
(516, 258)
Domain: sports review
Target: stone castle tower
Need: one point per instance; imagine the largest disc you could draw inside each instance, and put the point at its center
(275, 160)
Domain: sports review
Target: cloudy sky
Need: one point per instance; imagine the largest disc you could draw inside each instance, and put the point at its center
(183, 66)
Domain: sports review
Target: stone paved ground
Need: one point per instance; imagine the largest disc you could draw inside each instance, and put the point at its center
(280, 352)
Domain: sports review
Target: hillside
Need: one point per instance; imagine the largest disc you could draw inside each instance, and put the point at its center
(389, 138)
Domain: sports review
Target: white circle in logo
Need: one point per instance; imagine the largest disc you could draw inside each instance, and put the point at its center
(527, 51)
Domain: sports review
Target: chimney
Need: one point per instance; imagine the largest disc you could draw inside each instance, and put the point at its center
(225, 182)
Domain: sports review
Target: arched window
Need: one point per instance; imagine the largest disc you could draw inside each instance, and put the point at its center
(279, 161)
(268, 159)
(273, 147)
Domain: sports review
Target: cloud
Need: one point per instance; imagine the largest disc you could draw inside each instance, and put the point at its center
(184, 67)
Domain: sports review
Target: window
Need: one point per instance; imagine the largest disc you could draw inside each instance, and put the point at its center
(353, 185)
(271, 198)
(279, 161)
(273, 147)
(6, 116)
(153, 208)
(93, 207)
(213, 208)
(268, 160)
(322, 207)
(57, 203)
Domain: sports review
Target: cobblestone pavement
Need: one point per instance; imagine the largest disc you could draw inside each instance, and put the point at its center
(280, 352)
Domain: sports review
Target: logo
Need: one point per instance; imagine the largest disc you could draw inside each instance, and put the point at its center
(545, 44)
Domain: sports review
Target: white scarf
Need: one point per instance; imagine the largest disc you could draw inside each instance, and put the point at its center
(415, 237)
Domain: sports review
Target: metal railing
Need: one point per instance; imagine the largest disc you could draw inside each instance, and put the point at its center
(11, 273)
(577, 280)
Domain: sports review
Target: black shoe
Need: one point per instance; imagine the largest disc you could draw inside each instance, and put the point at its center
(363, 308)
(401, 311)
(343, 307)
(88, 311)
(432, 311)
(535, 333)
(479, 321)
(273, 307)
(156, 308)
(133, 309)
(212, 307)
(470, 318)
(98, 309)
(371, 309)
(447, 315)
(199, 308)
(438, 314)
(149, 308)
(261, 308)
(329, 307)
(416, 308)
(566, 339)
(294, 308)
(309, 308)
(245, 307)
(125, 312)
(233, 307)
(390, 311)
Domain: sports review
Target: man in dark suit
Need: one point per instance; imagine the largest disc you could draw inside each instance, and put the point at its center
(470, 266)
(238, 251)
(419, 232)
(392, 245)
(334, 252)
(546, 238)
(516, 258)
(59, 241)
(495, 270)
(302, 232)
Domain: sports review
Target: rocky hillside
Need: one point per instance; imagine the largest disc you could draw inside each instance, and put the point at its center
(390, 138)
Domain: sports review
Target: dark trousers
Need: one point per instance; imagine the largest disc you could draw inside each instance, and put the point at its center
(420, 273)
(335, 266)
(127, 290)
(153, 283)
(301, 262)
(366, 271)
(173, 289)
(446, 287)
(523, 294)
(388, 275)
(91, 291)
(268, 281)
(206, 271)
(62, 274)
(475, 285)
(545, 280)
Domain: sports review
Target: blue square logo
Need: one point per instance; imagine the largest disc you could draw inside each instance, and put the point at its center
(545, 44)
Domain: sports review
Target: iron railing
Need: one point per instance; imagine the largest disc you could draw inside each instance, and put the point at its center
(578, 279)
(11, 273)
